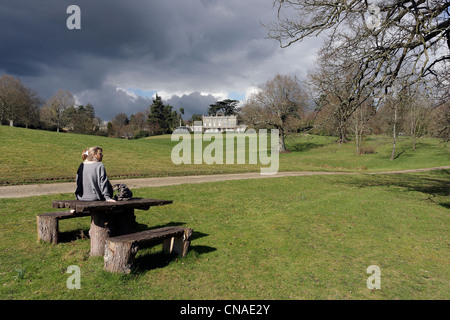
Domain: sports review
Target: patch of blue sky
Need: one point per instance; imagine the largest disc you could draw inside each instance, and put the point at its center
(236, 96)
(142, 93)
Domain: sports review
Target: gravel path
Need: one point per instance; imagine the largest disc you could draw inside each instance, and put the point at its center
(22, 191)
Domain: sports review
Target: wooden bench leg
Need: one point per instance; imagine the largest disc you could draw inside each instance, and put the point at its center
(99, 232)
(119, 256)
(178, 245)
(105, 225)
(48, 228)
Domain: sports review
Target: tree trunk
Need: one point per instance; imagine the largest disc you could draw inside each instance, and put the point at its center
(395, 133)
(413, 128)
(342, 129)
(281, 143)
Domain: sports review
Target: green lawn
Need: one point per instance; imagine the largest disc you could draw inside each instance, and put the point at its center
(309, 237)
(29, 156)
(322, 153)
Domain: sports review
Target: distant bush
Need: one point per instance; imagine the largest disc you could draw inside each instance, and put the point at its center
(141, 134)
(366, 150)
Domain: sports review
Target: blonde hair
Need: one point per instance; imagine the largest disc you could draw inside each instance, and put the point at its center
(91, 152)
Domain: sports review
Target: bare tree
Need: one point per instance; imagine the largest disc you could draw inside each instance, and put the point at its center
(278, 104)
(418, 108)
(440, 121)
(29, 113)
(360, 119)
(137, 121)
(14, 98)
(337, 89)
(55, 110)
(407, 39)
(397, 102)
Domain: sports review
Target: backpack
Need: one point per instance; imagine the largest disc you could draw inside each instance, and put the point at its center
(123, 192)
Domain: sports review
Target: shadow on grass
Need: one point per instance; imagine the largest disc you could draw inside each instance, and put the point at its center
(436, 186)
(154, 260)
(446, 205)
(305, 146)
(73, 235)
(307, 143)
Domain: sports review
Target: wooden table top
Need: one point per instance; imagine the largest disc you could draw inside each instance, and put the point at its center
(135, 203)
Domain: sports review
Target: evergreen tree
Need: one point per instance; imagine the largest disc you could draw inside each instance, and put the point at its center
(162, 119)
(227, 107)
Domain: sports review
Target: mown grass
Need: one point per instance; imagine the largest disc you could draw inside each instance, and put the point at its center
(29, 156)
(316, 152)
(309, 237)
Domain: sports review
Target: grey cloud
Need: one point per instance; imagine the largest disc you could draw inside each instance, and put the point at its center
(172, 46)
(109, 101)
(192, 103)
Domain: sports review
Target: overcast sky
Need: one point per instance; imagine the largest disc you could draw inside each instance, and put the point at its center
(191, 52)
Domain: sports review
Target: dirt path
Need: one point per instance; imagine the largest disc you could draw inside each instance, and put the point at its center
(22, 191)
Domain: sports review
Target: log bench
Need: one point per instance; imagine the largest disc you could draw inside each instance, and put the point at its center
(48, 224)
(109, 219)
(120, 251)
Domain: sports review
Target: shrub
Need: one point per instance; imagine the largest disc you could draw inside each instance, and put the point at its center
(366, 150)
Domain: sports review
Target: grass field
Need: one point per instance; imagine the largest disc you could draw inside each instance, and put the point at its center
(309, 237)
(286, 238)
(29, 156)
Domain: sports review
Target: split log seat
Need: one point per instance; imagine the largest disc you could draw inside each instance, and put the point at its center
(120, 251)
(48, 224)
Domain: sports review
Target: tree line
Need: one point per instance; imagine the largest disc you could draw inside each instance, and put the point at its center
(21, 106)
(283, 102)
(291, 106)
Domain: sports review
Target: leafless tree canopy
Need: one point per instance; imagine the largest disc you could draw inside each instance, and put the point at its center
(335, 85)
(55, 110)
(17, 102)
(278, 104)
(411, 40)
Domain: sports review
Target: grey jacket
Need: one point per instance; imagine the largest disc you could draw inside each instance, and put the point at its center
(92, 182)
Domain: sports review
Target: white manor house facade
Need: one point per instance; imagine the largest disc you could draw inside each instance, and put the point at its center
(218, 123)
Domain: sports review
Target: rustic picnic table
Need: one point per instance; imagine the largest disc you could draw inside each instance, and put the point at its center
(109, 218)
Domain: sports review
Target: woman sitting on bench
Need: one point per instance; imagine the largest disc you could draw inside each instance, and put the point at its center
(92, 181)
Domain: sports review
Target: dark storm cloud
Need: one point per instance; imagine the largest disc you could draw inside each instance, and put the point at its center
(114, 100)
(192, 103)
(174, 47)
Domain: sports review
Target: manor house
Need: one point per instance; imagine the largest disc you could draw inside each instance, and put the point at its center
(218, 123)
